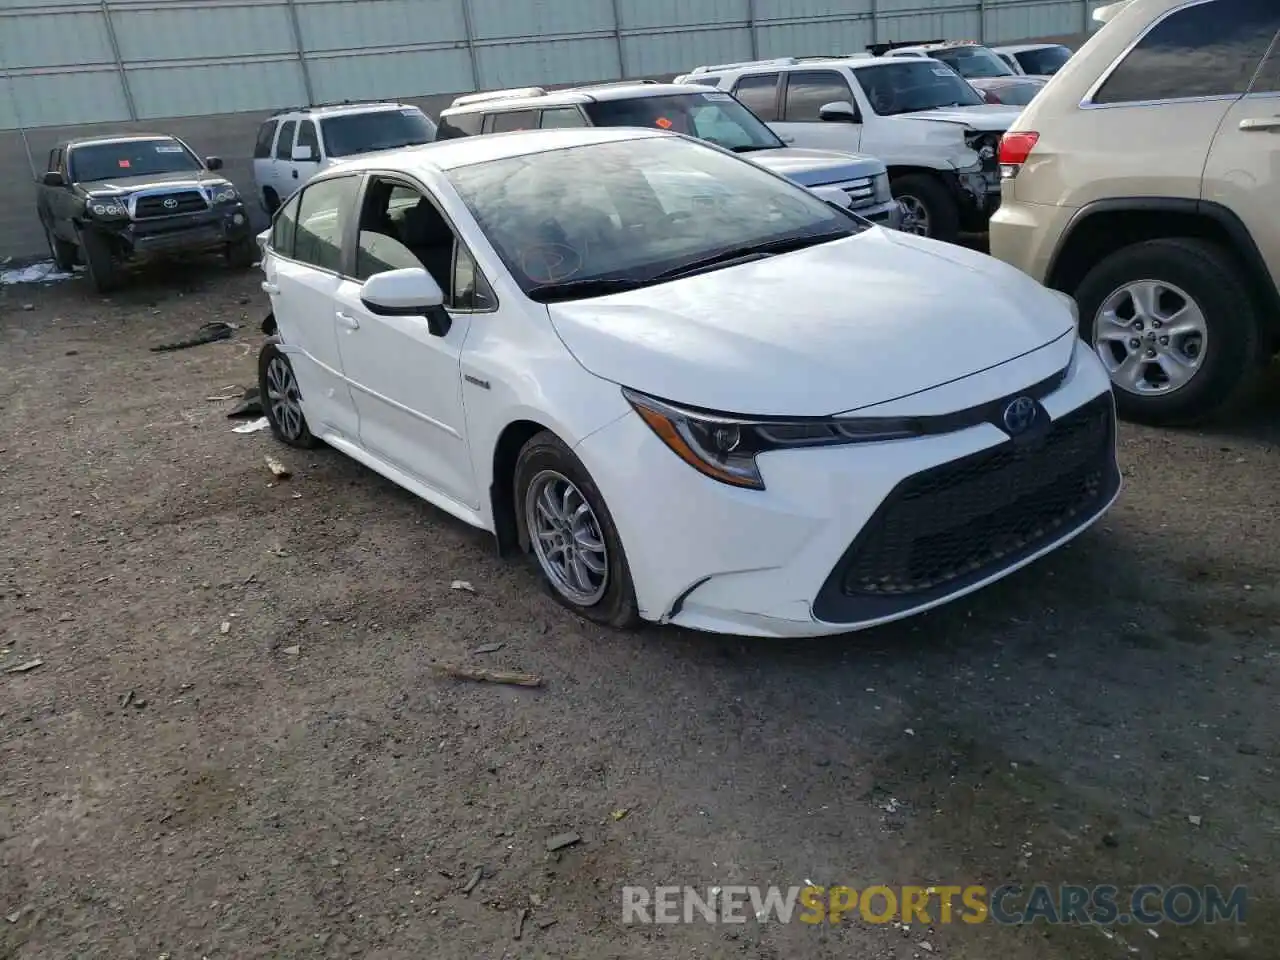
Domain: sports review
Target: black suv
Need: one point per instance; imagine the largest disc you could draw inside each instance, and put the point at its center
(112, 201)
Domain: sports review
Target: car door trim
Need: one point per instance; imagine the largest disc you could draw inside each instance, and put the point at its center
(416, 414)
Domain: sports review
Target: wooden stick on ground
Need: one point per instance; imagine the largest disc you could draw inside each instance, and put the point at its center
(481, 675)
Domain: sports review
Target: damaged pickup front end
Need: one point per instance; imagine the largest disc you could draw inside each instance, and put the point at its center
(978, 181)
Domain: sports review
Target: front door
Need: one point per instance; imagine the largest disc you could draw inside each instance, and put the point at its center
(805, 93)
(308, 141)
(406, 381)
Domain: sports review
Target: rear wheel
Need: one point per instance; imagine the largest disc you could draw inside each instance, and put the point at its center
(928, 209)
(568, 529)
(1175, 325)
(282, 400)
(105, 272)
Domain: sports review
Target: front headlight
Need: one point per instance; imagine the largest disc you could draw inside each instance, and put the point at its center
(880, 184)
(108, 208)
(725, 447)
(224, 193)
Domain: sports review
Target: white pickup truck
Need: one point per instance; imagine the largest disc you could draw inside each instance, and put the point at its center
(933, 131)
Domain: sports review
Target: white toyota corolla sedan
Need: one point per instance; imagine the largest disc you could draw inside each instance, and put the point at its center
(693, 391)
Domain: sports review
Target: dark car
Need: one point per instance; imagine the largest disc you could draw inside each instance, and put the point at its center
(109, 202)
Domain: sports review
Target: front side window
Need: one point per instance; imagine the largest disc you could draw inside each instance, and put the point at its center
(656, 206)
(909, 86)
(349, 134)
(284, 144)
(1044, 61)
(284, 227)
(712, 116)
(307, 137)
(262, 146)
(973, 62)
(323, 210)
(131, 158)
(1268, 78)
(759, 94)
(1210, 50)
(560, 118)
(808, 91)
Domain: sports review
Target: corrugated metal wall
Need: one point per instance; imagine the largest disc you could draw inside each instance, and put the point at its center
(65, 62)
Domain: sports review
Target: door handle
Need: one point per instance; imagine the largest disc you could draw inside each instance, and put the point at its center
(787, 139)
(269, 287)
(1255, 124)
(295, 174)
(350, 322)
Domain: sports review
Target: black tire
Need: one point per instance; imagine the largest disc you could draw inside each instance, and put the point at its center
(939, 205)
(546, 454)
(270, 201)
(62, 251)
(283, 425)
(242, 254)
(1235, 352)
(105, 272)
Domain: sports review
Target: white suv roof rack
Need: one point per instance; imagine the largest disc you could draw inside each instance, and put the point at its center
(487, 95)
(715, 67)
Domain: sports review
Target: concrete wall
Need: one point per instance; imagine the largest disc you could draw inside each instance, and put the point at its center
(229, 136)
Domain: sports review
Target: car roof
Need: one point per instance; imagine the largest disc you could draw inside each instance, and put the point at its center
(595, 93)
(465, 151)
(338, 109)
(1025, 47)
(118, 138)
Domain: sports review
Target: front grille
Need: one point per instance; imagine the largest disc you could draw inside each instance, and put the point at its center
(862, 192)
(981, 513)
(186, 201)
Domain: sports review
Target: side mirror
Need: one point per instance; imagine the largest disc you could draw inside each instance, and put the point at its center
(410, 292)
(841, 111)
(213, 163)
(53, 178)
(833, 195)
(301, 153)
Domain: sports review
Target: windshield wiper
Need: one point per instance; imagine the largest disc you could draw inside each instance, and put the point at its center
(581, 289)
(751, 147)
(749, 252)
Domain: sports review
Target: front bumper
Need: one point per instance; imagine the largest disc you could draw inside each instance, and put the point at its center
(775, 563)
(883, 214)
(188, 232)
(978, 196)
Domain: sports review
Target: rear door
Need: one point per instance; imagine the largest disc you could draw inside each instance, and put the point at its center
(761, 94)
(262, 157)
(283, 180)
(1243, 171)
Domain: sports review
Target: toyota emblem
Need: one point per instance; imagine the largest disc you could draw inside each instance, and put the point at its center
(170, 203)
(1019, 415)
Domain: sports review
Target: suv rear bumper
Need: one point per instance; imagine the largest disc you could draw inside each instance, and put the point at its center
(1025, 235)
(193, 232)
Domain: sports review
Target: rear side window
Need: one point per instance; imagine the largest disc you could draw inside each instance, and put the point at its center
(808, 91)
(284, 146)
(506, 122)
(562, 117)
(307, 137)
(284, 227)
(1209, 50)
(262, 147)
(322, 216)
(759, 94)
(459, 125)
(706, 81)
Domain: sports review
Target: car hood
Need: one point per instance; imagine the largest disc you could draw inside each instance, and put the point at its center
(118, 185)
(819, 331)
(987, 117)
(813, 168)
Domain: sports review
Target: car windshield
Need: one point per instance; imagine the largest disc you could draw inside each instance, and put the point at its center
(348, 134)
(712, 116)
(130, 158)
(973, 62)
(907, 86)
(603, 217)
(1016, 94)
(1045, 61)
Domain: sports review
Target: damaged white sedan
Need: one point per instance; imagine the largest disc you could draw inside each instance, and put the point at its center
(690, 390)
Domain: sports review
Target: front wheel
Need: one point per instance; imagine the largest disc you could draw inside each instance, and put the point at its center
(1174, 324)
(567, 527)
(105, 272)
(928, 209)
(62, 251)
(242, 254)
(282, 400)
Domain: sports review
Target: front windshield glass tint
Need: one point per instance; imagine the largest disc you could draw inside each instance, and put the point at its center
(1017, 94)
(1046, 61)
(348, 134)
(973, 62)
(633, 209)
(906, 86)
(712, 116)
(137, 158)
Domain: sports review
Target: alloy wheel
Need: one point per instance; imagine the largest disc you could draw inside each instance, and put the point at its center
(915, 215)
(284, 399)
(567, 538)
(1151, 336)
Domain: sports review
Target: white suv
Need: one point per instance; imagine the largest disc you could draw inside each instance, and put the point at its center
(933, 131)
(296, 143)
(686, 388)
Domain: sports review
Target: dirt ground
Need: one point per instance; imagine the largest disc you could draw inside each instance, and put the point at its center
(236, 746)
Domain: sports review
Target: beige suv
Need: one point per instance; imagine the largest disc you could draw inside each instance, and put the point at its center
(1144, 180)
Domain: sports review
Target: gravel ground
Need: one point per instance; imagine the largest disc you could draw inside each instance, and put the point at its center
(236, 745)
